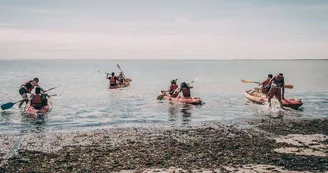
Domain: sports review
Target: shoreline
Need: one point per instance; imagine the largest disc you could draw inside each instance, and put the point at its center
(267, 144)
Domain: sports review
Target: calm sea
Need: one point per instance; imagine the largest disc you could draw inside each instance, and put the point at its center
(85, 103)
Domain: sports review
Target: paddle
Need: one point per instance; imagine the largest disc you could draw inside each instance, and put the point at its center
(127, 79)
(52, 88)
(249, 81)
(11, 104)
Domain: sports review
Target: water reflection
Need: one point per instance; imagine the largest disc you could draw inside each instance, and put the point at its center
(33, 125)
(175, 110)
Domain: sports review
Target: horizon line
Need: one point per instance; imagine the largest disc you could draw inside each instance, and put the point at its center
(160, 59)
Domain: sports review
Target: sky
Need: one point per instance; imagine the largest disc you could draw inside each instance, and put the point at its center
(163, 29)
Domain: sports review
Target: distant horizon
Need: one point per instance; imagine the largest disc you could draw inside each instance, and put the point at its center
(165, 29)
(14, 59)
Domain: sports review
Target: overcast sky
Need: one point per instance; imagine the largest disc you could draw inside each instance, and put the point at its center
(163, 29)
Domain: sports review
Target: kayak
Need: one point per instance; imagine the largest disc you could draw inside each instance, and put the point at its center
(180, 99)
(35, 113)
(194, 100)
(119, 86)
(256, 96)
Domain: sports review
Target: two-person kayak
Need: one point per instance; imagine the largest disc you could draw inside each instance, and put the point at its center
(125, 84)
(36, 113)
(180, 99)
(256, 96)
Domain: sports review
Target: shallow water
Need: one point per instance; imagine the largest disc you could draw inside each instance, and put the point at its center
(85, 103)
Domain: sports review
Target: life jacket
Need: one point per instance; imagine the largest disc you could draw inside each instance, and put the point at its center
(112, 80)
(278, 81)
(28, 86)
(121, 79)
(186, 92)
(36, 100)
(173, 87)
(266, 82)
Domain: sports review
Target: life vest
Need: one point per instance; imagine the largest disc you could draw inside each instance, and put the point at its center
(173, 87)
(266, 82)
(28, 86)
(121, 79)
(186, 92)
(112, 80)
(36, 100)
(278, 81)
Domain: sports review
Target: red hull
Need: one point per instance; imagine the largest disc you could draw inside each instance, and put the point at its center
(260, 98)
(37, 113)
(179, 99)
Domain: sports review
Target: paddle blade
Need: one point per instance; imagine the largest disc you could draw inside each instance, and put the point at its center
(118, 66)
(7, 105)
(128, 80)
(246, 81)
(160, 97)
(289, 86)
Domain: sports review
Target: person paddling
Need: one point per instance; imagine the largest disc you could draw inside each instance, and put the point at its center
(173, 88)
(277, 88)
(121, 79)
(185, 89)
(26, 88)
(112, 79)
(265, 87)
(36, 101)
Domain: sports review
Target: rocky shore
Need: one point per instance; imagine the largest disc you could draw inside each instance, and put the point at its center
(265, 145)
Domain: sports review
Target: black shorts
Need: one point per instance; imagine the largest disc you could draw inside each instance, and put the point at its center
(113, 84)
(22, 91)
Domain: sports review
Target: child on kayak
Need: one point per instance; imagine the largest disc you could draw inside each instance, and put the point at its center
(277, 88)
(185, 89)
(265, 87)
(173, 88)
(112, 79)
(27, 87)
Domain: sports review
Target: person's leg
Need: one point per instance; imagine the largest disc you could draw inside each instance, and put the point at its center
(24, 96)
(271, 93)
(278, 96)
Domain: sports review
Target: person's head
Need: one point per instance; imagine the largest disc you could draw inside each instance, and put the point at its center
(270, 76)
(121, 73)
(281, 74)
(36, 80)
(37, 90)
(184, 84)
(173, 81)
(113, 74)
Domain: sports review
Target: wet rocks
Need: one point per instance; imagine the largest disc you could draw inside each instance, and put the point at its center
(209, 147)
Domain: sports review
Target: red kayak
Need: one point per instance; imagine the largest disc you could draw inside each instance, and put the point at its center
(35, 113)
(180, 99)
(257, 96)
(119, 86)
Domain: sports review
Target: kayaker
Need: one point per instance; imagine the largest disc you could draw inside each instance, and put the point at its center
(185, 89)
(112, 79)
(265, 87)
(121, 79)
(26, 88)
(277, 88)
(36, 101)
(173, 88)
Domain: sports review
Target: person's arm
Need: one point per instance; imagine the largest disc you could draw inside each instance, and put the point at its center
(263, 82)
(269, 83)
(283, 90)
